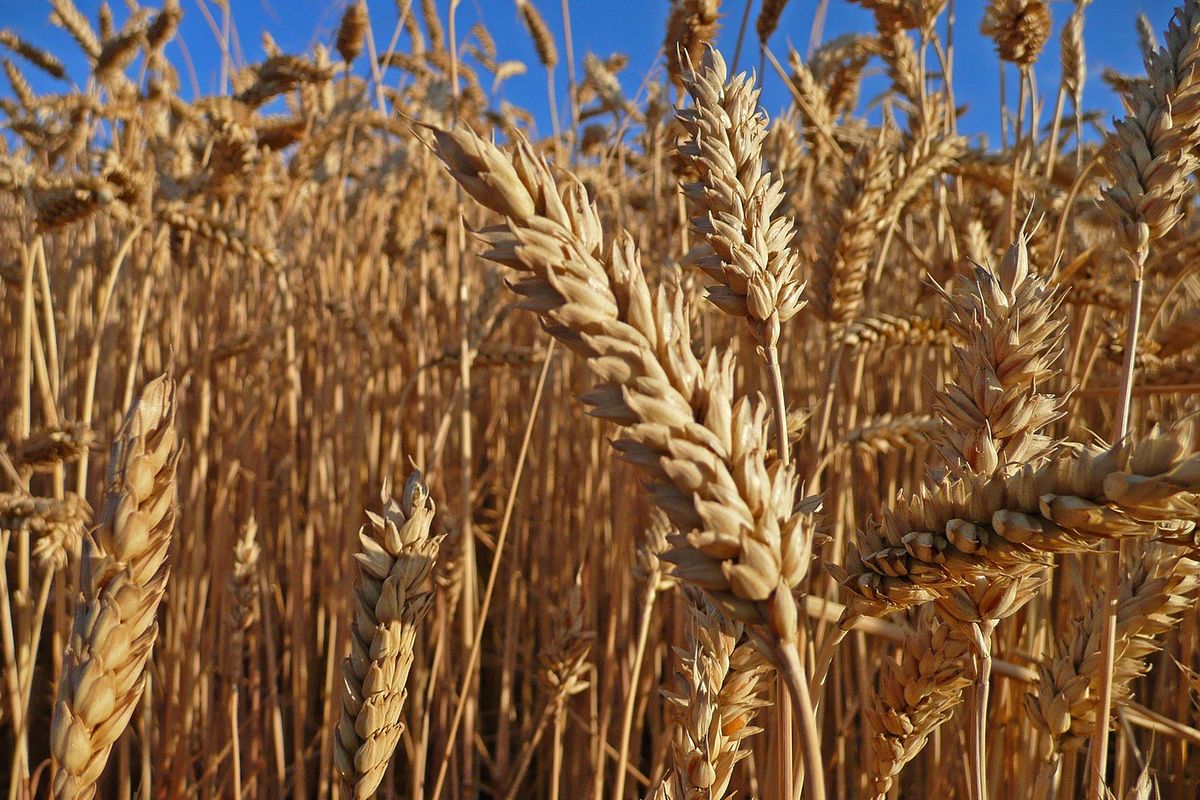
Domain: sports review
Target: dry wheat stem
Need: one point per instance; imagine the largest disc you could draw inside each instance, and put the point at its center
(501, 539)
(650, 568)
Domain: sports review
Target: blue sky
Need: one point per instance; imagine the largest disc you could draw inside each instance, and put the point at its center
(634, 27)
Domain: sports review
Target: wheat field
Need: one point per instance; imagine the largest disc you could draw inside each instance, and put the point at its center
(361, 441)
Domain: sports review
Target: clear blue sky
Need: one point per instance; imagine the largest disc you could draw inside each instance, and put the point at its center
(634, 27)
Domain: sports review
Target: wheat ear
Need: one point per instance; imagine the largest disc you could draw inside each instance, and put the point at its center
(704, 454)
(740, 537)
(1155, 590)
(1020, 29)
(720, 688)
(1151, 153)
(915, 695)
(1012, 335)
(736, 203)
(352, 30)
(886, 332)
(941, 538)
(849, 234)
(40, 58)
(390, 600)
(691, 24)
(894, 16)
(124, 576)
(992, 419)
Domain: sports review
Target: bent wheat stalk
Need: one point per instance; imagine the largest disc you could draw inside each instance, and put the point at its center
(938, 539)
